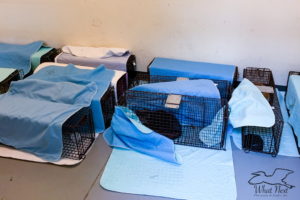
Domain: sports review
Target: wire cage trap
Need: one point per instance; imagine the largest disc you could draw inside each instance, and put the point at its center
(261, 139)
(108, 103)
(263, 79)
(15, 76)
(195, 121)
(78, 134)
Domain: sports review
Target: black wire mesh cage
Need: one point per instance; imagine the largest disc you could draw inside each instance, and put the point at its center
(261, 139)
(290, 74)
(195, 121)
(78, 134)
(108, 103)
(4, 85)
(263, 79)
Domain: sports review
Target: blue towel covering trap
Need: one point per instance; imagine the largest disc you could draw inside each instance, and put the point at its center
(44, 101)
(101, 76)
(18, 56)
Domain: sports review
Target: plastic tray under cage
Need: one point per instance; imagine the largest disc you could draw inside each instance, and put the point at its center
(15, 76)
(263, 79)
(261, 139)
(195, 121)
(225, 87)
(108, 103)
(78, 134)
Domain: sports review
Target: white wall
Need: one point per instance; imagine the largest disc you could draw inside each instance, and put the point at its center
(264, 33)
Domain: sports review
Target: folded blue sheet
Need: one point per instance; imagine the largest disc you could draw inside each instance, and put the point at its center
(128, 132)
(248, 107)
(101, 76)
(190, 69)
(198, 88)
(18, 56)
(33, 111)
(293, 103)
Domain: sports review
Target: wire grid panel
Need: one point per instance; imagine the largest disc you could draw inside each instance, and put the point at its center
(108, 103)
(198, 121)
(261, 77)
(78, 134)
(264, 140)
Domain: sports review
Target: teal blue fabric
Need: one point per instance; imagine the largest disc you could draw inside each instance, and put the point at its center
(204, 175)
(128, 132)
(100, 75)
(18, 56)
(293, 103)
(198, 88)
(33, 111)
(36, 57)
(190, 69)
(248, 107)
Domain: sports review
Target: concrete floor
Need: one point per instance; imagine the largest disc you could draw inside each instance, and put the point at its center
(36, 181)
(28, 180)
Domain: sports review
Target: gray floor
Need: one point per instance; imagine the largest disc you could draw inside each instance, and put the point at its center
(34, 181)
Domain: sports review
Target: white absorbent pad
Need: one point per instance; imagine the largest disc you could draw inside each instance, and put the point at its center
(205, 174)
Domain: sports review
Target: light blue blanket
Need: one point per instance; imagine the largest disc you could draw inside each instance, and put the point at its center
(205, 174)
(190, 69)
(248, 107)
(33, 111)
(101, 76)
(293, 103)
(18, 56)
(127, 132)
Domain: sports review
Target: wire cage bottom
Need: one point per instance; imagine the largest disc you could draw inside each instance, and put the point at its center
(78, 134)
(264, 140)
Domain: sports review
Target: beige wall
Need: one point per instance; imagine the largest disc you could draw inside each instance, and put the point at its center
(262, 33)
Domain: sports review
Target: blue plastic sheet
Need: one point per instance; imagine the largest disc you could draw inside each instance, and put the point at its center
(18, 56)
(33, 111)
(101, 76)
